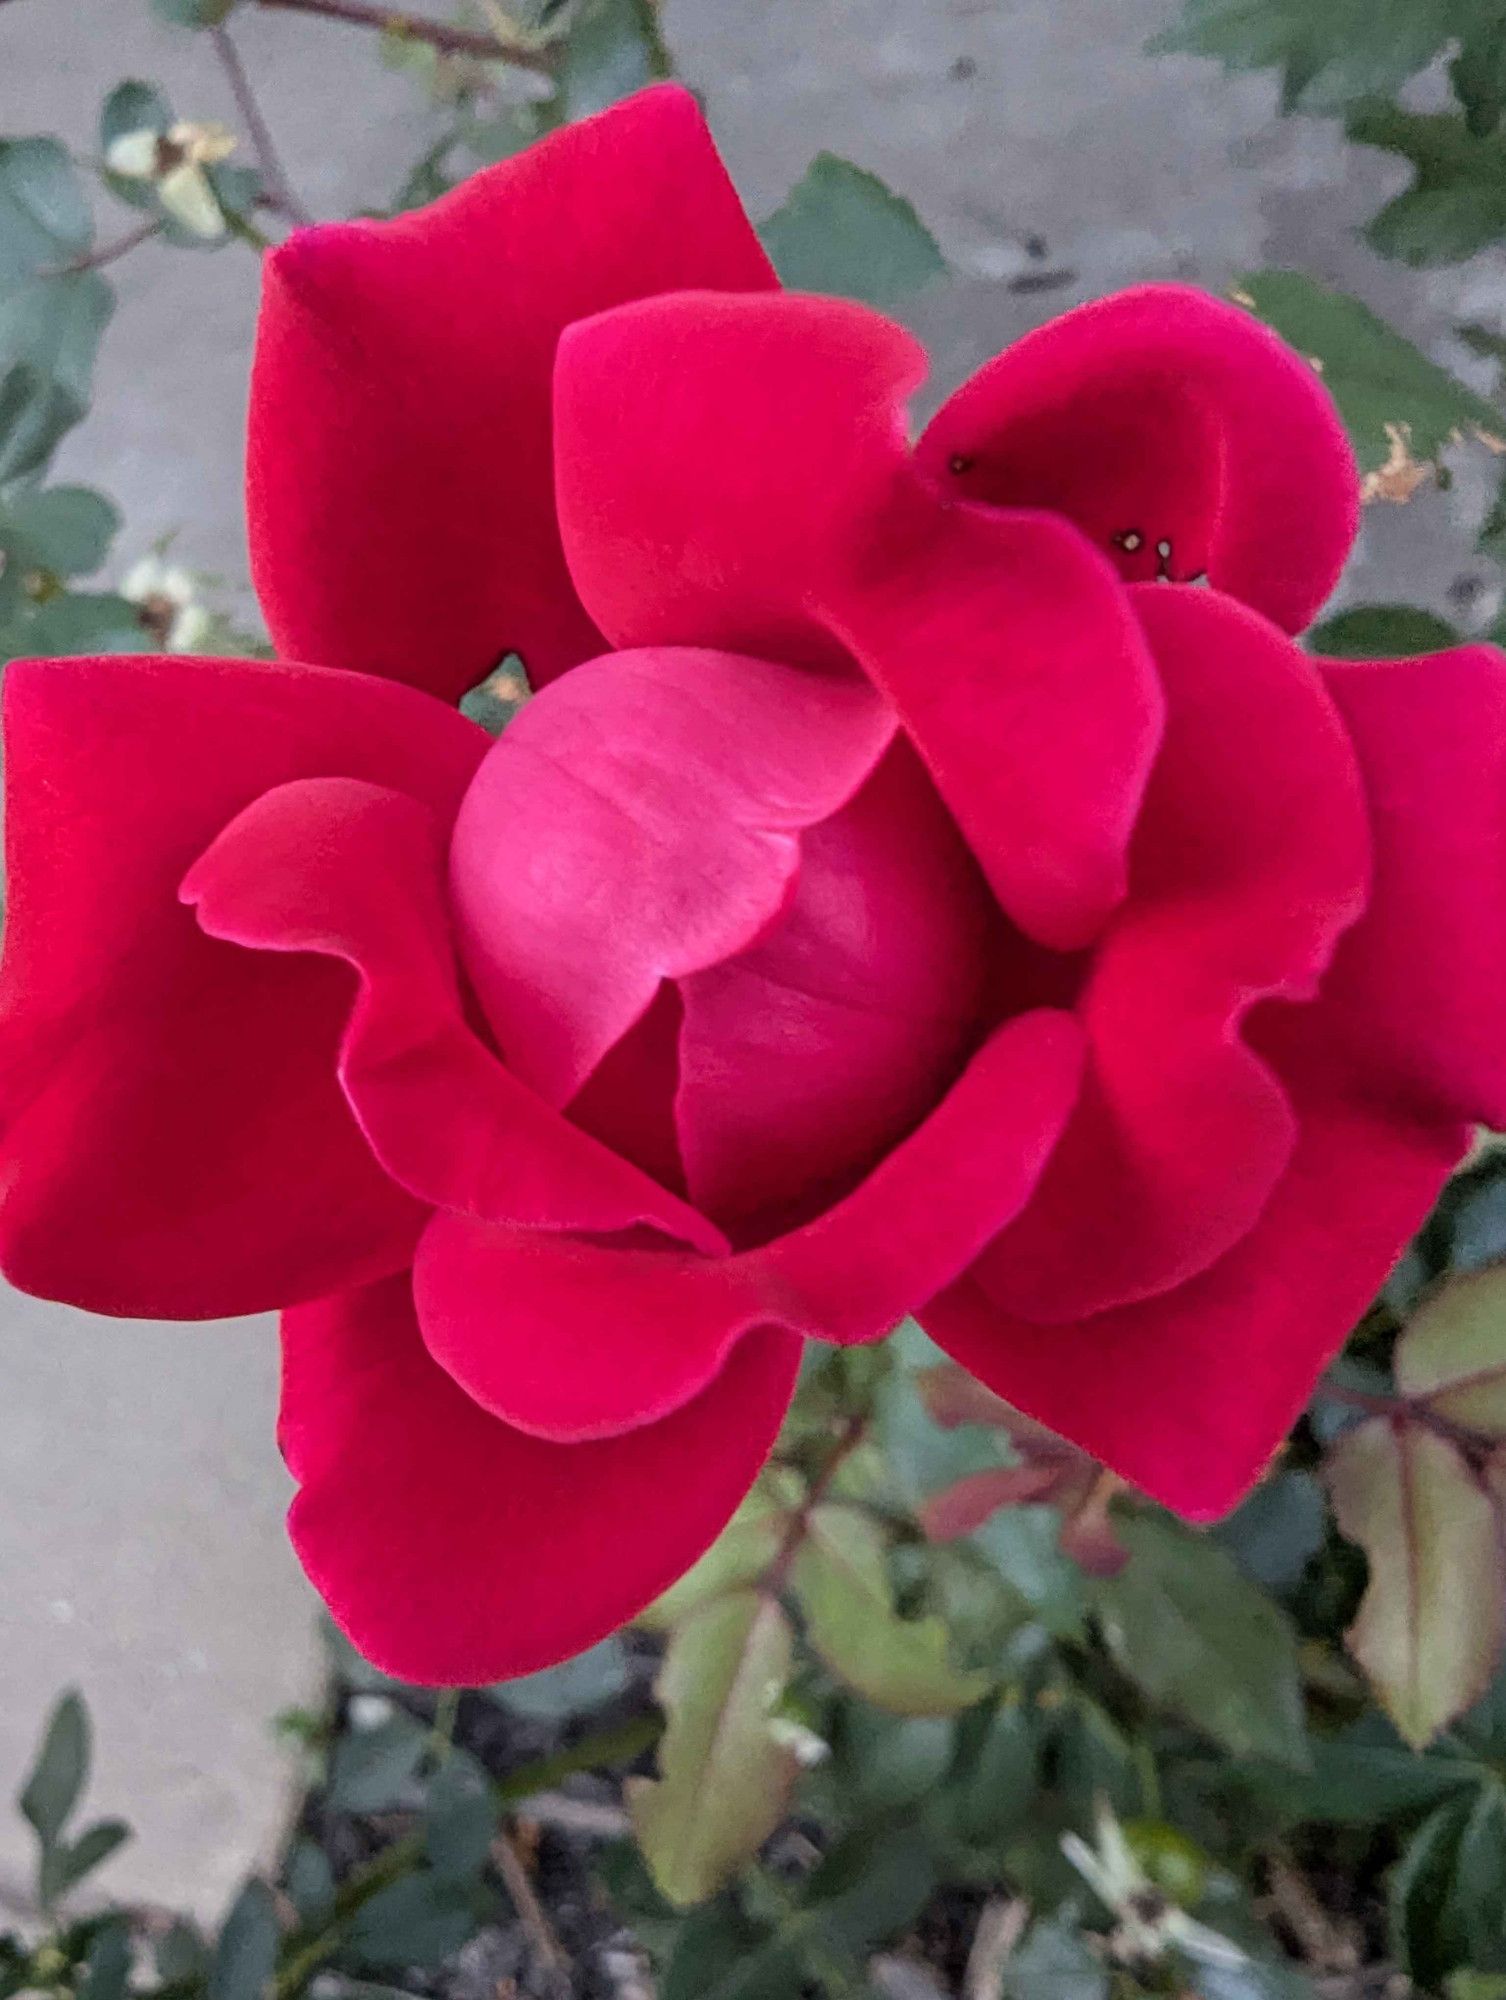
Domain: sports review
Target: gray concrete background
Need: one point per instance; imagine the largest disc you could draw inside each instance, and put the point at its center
(140, 1547)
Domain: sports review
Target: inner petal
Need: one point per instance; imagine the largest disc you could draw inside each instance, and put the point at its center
(807, 1056)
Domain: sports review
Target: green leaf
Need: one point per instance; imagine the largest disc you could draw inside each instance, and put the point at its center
(193, 13)
(725, 1777)
(133, 106)
(1000, 1778)
(1278, 1530)
(1453, 1352)
(1380, 632)
(841, 1577)
(44, 212)
(1366, 1776)
(1444, 1893)
(66, 530)
(718, 1954)
(738, 1557)
(586, 1682)
(613, 48)
(1202, 1641)
(841, 230)
(66, 1863)
(460, 1821)
(890, 1761)
(179, 1952)
(57, 1778)
(373, 1769)
(1327, 54)
(51, 327)
(1478, 74)
(79, 622)
(309, 1882)
(107, 1967)
(1429, 1625)
(1456, 204)
(418, 1920)
(1379, 380)
(245, 1957)
(1055, 1963)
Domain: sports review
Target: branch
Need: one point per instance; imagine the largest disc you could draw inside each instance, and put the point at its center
(438, 34)
(776, 1575)
(276, 186)
(91, 260)
(1409, 1410)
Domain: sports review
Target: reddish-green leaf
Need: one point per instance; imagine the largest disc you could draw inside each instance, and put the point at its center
(1454, 1352)
(1430, 1623)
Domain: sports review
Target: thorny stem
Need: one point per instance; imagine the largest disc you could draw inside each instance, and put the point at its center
(438, 34)
(304, 1953)
(777, 1573)
(277, 188)
(1410, 1410)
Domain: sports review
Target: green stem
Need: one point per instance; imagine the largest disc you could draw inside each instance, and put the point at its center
(438, 34)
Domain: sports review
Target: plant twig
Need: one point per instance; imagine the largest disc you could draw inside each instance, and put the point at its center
(777, 1574)
(438, 34)
(1409, 1410)
(552, 1956)
(276, 187)
(106, 253)
(1000, 1927)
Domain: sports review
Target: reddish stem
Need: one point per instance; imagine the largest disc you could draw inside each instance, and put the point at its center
(1409, 1410)
(438, 34)
(777, 1574)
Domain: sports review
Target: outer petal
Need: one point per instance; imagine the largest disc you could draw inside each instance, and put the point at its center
(399, 474)
(1188, 1395)
(1178, 433)
(175, 1141)
(1419, 986)
(572, 1339)
(454, 1550)
(1252, 855)
(767, 500)
(356, 873)
(803, 1058)
(634, 824)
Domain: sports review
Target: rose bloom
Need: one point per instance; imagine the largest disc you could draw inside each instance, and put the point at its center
(907, 893)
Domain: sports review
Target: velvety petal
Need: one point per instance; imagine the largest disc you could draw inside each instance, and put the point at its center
(454, 1550)
(760, 493)
(1419, 984)
(571, 1339)
(1250, 858)
(711, 505)
(1009, 648)
(637, 822)
(174, 1140)
(355, 872)
(400, 476)
(807, 1055)
(1181, 435)
(1188, 1395)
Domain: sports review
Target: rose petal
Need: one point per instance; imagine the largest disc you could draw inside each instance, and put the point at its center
(1250, 858)
(400, 469)
(570, 1339)
(710, 506)
(175, 1142)
(1419, 983)
(1189, 1394)
(355, 872)
(1181, 435)
(759, 493)
(807, 1055)
(635, 823)
(1009, 648)
(454, 1550)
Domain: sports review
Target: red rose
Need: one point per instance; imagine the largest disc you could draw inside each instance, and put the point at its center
(932, 905)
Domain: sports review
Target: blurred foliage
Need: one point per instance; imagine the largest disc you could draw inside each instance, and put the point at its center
(944, 1687)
